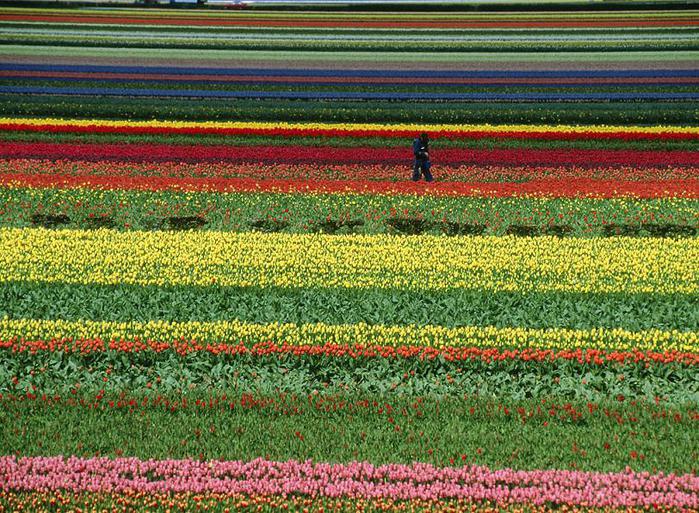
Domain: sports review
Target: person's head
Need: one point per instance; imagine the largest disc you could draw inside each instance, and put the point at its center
(424, 137)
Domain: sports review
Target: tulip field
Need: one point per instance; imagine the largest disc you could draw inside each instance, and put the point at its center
(221, 291)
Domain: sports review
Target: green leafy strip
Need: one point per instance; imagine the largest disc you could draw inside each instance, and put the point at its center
(351, 142)
(347, 306)
(340, 213)
(54, 372)
(583, 113)
(439, 432)
(187, 85)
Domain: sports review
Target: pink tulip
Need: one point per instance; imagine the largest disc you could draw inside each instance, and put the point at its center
(355, 479)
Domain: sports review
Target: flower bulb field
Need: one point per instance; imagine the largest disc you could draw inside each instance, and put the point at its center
(221, 291)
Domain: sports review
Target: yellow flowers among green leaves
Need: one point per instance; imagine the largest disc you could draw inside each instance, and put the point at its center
(594, 265)
(314, 334)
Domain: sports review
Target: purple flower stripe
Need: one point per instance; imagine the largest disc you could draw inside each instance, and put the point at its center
(193, 93)
(185, 81)
(356, 479)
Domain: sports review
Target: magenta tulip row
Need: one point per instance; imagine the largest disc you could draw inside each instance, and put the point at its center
(356, 479)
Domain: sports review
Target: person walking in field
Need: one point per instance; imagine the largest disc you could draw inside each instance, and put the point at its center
(421, 153)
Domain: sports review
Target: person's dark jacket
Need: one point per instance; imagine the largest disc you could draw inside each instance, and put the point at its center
(420, 149)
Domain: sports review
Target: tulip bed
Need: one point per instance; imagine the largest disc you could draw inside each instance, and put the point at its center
(220, 291)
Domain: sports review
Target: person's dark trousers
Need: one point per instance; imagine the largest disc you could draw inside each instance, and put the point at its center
(422, 167)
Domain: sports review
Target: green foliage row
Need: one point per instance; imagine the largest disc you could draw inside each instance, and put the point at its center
(338, 213)
(441, 432)
(582, 113)
(166, 372)
(349, 306)
(351, 142)
(188, 85)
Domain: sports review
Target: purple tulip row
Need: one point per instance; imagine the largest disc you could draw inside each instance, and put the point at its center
(356, 479)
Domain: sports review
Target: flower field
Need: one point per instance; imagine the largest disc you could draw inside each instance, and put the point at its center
(221, 291)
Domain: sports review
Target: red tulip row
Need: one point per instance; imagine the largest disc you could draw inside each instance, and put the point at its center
(602, 22)
(548, 188)
(334, 155)
(183, 347)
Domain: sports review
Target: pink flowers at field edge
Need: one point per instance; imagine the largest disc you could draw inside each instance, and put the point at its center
(354, 479)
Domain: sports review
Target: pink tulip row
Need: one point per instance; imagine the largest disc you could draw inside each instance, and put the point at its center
(357, 479)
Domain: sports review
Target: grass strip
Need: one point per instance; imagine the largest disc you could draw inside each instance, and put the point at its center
(440, 432)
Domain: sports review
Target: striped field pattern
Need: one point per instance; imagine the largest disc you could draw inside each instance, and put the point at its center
(220, 290)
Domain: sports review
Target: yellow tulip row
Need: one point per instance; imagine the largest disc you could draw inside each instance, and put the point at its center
(426, 262)
(437, 337)
(360, 127)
